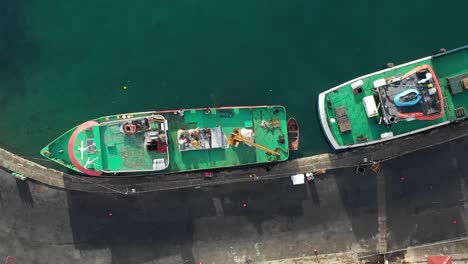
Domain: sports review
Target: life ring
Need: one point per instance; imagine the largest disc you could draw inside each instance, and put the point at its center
(129, 129)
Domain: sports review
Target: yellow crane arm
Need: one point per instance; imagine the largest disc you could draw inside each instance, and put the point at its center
(235, 136)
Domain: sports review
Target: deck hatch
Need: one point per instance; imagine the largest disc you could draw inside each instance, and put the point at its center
(343, 119)
(458, 83)
(460, 112)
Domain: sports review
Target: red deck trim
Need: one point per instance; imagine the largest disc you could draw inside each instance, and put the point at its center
(71, 150)
(418, 115)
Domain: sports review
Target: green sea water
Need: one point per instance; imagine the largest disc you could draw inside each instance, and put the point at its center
(65, 62)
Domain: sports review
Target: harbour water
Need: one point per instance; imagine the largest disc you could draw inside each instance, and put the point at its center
(63, 63)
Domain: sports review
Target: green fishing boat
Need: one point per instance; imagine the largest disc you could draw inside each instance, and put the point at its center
(397, 102)
(174, 141)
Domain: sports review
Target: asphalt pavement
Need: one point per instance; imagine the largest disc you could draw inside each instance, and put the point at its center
(250, 222)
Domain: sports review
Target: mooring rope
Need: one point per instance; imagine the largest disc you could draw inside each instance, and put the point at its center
(27, 157)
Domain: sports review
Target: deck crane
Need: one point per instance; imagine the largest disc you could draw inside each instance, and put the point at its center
(236, 137)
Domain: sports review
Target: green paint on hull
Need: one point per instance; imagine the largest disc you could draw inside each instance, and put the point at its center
(113, 151)
(445, 66)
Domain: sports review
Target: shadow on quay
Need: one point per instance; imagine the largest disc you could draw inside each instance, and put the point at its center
(424, 203)
(135, 229)
(426, 195)
(140, 228)
(24, 192)
(358, 194)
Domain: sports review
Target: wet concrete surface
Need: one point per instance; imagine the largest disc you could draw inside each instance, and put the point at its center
(248, 222)
(426, 202)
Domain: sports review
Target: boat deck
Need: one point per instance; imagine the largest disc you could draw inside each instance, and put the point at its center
(363, 129)
(127, 153)
(446, 67)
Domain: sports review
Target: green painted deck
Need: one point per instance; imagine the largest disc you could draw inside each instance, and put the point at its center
(451, 65)
(232, 156)
(444, 66)
(59, 149)
(119, 152)
(122, 152)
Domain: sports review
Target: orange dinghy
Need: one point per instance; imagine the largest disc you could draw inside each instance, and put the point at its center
(293, 134)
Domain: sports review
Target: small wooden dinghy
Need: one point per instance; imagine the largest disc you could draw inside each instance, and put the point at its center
(293, 134)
